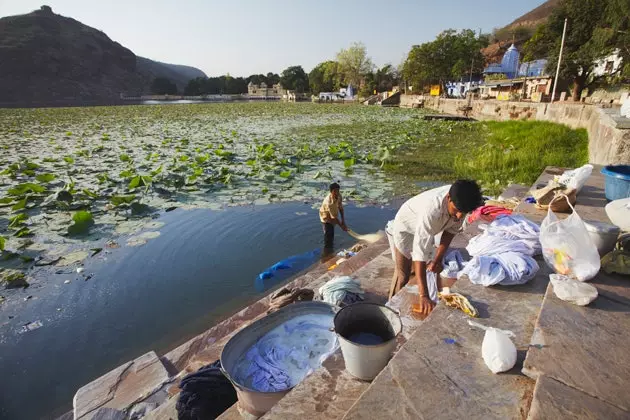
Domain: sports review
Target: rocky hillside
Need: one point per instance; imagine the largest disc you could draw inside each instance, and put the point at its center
(520, 30)
(48, 59)
(536, 16)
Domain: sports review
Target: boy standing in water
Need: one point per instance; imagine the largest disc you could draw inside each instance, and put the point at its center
(329, 215)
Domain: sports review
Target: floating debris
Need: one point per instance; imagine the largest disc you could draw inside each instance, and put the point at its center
(31, 326)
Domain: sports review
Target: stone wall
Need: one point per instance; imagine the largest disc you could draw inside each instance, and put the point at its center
(609, 134)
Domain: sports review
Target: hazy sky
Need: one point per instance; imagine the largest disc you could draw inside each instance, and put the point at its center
(242, 37)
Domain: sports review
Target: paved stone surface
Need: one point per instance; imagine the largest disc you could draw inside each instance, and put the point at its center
(613, 286)
(584, 347)
(166, 411)
(326, 394)
(554, 400)
(434, 377)
(109, 414)
(121, 387)
(431, 368)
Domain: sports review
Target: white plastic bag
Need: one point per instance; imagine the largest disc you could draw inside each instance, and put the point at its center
(573, 291)
(498, 351)
(567, 246)
(576, 178)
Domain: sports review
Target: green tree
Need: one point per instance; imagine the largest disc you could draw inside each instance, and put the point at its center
(447, 58)
(589, 38)
(386, 78)
(324, 77)
(294, 78)
(163, 86)
(354, 64)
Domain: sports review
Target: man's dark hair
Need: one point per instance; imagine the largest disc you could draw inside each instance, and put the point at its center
(466, 195)
(334, 186)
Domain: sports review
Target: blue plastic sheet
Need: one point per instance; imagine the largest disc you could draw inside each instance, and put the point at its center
(285, 268)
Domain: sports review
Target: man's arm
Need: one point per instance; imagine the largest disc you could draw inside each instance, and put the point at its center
(445, 242)
(426, 304)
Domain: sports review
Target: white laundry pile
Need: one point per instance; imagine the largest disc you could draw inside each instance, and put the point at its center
(502, 254)
(341, 290)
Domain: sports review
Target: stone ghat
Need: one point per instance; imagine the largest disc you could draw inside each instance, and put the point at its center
(150, 382)
(572, 361)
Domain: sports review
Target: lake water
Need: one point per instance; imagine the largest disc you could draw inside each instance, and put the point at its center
(200, 269)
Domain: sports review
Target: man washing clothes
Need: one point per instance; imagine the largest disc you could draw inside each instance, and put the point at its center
(329, 215)
(419, 220)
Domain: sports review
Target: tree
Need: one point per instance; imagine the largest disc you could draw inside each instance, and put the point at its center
(294, 78)
(354, 64)
(272, 79)
(216, 85)
(588, 39)
(163, 86)
(324, 77)
(447, 58)
(386, 78)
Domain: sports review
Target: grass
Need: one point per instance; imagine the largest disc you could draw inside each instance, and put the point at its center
(518, 151)
(493, 153)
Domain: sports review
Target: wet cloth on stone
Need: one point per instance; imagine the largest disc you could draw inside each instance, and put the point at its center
(341, 290)
(285, 296)
(516, 228)
(205, 394)
(502, 254)
(506, 269)
(281, 358)
(453, 263)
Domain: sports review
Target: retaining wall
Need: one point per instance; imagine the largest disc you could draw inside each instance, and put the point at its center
(608, 133)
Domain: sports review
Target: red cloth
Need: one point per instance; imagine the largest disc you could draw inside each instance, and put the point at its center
(487, 213)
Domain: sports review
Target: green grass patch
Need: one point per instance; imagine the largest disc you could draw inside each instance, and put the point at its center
(518, 151)
(493, 153)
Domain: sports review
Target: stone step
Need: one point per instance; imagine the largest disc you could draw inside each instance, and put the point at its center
(585, 348)
(555, 400)
(122, 387)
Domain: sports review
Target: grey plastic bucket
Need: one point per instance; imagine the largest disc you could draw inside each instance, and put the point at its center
(356, 326)
(255, 402)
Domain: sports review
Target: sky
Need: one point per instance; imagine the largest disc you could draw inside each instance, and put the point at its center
(243, 37)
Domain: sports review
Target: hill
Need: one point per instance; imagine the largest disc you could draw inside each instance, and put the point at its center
(177, 73)
(520, 30)
(49, 59)
(536, 16)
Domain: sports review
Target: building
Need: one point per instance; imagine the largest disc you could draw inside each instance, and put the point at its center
(461, 89)
(534, 68)
(513, 81)
(508, 66)
(263, 91)
(609, 65)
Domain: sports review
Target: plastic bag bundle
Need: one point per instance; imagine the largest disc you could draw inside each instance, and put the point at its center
(573, 291)
(567, 246)
(498, 351)
(576, 178)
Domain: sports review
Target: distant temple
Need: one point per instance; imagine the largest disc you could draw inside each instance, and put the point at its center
(512, 80)
(509, 64)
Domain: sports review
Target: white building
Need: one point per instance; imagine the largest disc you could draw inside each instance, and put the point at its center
(608, 65)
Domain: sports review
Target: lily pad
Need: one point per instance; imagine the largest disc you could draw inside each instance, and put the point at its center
(72, 258)
(13, 279)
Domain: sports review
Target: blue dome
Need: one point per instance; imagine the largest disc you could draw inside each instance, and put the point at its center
(510, 62)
